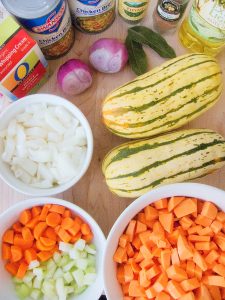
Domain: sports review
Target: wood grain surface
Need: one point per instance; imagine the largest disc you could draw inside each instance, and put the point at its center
(91, 192)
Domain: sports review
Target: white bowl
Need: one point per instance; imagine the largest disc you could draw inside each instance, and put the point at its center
(18, 107)
(11, 215)
(204, 192)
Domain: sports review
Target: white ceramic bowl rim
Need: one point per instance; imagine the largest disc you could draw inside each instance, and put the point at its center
(97, 288)
(196, 190)
(19, 106)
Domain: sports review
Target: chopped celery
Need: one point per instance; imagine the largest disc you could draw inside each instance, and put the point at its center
(68, 277)
(79, 277)
(57, 257)
(22, 291)
(82, 263)
(80, 245)
(36, 294)
(65, 247)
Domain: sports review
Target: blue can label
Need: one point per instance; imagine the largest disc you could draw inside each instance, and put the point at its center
(90, 2)
(50, 28)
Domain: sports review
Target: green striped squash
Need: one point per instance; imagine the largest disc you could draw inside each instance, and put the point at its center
(134, 168)
(165, 98)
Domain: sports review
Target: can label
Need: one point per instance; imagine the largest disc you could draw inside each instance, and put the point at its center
(92, 15)
(169, 10)
(207, 18)
(50, 28)
(133, 10)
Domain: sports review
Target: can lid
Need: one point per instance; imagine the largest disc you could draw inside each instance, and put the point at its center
(29, 9)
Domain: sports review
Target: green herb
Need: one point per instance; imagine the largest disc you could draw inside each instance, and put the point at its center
(144, 35)
(137, 57)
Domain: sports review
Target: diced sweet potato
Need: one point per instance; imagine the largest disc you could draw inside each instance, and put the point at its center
(176, 273)
(173, 202)
(214, 280)
(190, 284)
(199, 260)
(186, 207)
(175, 290)
(188, 296)
(184, 250)
(209, 210)
(165, 258)
(153, 271)
(151, 213)
(160, 204)
(167, 221)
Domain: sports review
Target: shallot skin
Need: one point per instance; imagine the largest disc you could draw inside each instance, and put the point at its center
(74, 77)
(108, 55)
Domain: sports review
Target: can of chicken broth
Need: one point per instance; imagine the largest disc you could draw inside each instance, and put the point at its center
(47, 21)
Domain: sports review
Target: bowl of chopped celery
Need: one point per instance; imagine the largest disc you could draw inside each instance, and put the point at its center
(46, 145)
(51, 249)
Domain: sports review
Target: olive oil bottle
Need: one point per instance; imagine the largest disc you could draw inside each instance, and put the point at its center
(204, 29)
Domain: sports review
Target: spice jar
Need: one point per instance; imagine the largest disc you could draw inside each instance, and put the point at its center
(92, 16)
(132, 11)
(167, 14)
(47, 21)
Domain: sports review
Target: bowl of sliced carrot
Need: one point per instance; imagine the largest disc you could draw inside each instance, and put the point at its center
(50, 249)
(168, 244)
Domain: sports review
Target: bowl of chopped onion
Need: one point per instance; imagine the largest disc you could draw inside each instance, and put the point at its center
(42, 260)
(46, 145)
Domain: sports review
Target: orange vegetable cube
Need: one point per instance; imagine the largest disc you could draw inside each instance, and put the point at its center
(143, 280)
(141, 227)
(194, 229)
(153, 271)
(175, 257)
(160, 283)
(162, 296)
(219, 269)
(214, 280)
(209, 210)
(130, 250)
(135, 290)
(202, 220)
(215, 292)
(190, 284)
(221, 258)
(199, 260)
(6, 251)
(216, 226)
(123, 240)
(160, 204)
(206, 231)
(198, 272)
(8, 236)
(198, 238)
(151, 293)
(186, 207)
(120, 274)
(184, 250)
(176, 273)
(173, 202)
(128, 273)
(175, 290)
(151, 213)
(12, 268)
(146, 263)
(137, 242)
(190, 268)
(202, 246)
(120, 255)
(131, 228)
(212, 257)
(221, 216)
(165, 258)
(188, 296)
(220, 241)
(203, 293)
(186, 222)
(146, 252)
(167, 221)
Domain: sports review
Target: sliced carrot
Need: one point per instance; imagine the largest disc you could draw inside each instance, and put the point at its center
(140, 227)
(17, 227)
(151, 293)
(44, 255)
(160, 283)
(47, 242)
(146, 263)
(85, 229)
(16, 253)
(151, 213)
(67, 223)
(212, 257)
(219, 269)
(220, 241)
(53, 219)
(42, 247)
(35, 211)
(125, 288)
(30, 255)
(135, 267)
(176, 273)
(162, 296)
(186, 207)
(203, 293)
(173, 202)
(120, 274)
(145, 237)
(175, 290)
(199, 260)
(50, 233)
(25, 217)
(175, 260)
(135, 290)
(221, 258)
(64, 235)
(12, 268)
(209, 210)
(88, 237)
(44, 212)
(27, 234)
(221, 216)
(57, 209)
(190, 284)
(6, 251)
(216, 226)
(194, 229)
(75, 228)
(162, 203)
(215, 292)
(202, 220)
(139, 257)
(67, 213)
(167, 221)
(131, 228)
(202, 246)
(20, 242)
(22, 270)
(39, 229)
(8, 236)
(77, 237)
(199, 238)
(130, 250)
(128, 273)
(186, 222)
(146, 252)
(33, 222)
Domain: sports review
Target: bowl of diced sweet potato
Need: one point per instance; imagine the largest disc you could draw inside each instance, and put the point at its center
(168, 244)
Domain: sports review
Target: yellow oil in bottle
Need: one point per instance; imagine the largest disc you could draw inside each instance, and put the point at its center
(204, 29)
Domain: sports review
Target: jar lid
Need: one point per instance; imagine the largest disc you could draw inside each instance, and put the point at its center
(29, 9)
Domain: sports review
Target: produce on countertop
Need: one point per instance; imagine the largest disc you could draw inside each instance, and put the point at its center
(167, 97)
(173, 249)
(74, 77)
(48, 252)
(134, 168)
(44, 146)
(108, 55)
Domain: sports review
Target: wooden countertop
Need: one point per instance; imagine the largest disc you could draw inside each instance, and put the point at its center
(91, 193)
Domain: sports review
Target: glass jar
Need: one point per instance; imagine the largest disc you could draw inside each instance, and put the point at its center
(47, 21)
(132, 11)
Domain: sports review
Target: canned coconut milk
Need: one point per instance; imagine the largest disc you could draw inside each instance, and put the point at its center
(92, 16)
(48, 22)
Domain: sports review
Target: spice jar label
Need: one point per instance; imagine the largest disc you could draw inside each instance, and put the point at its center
(92, 16)
(133, 10)
(50, 28)
(169, 10)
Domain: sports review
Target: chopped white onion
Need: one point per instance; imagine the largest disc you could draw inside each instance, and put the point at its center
(44, 145)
